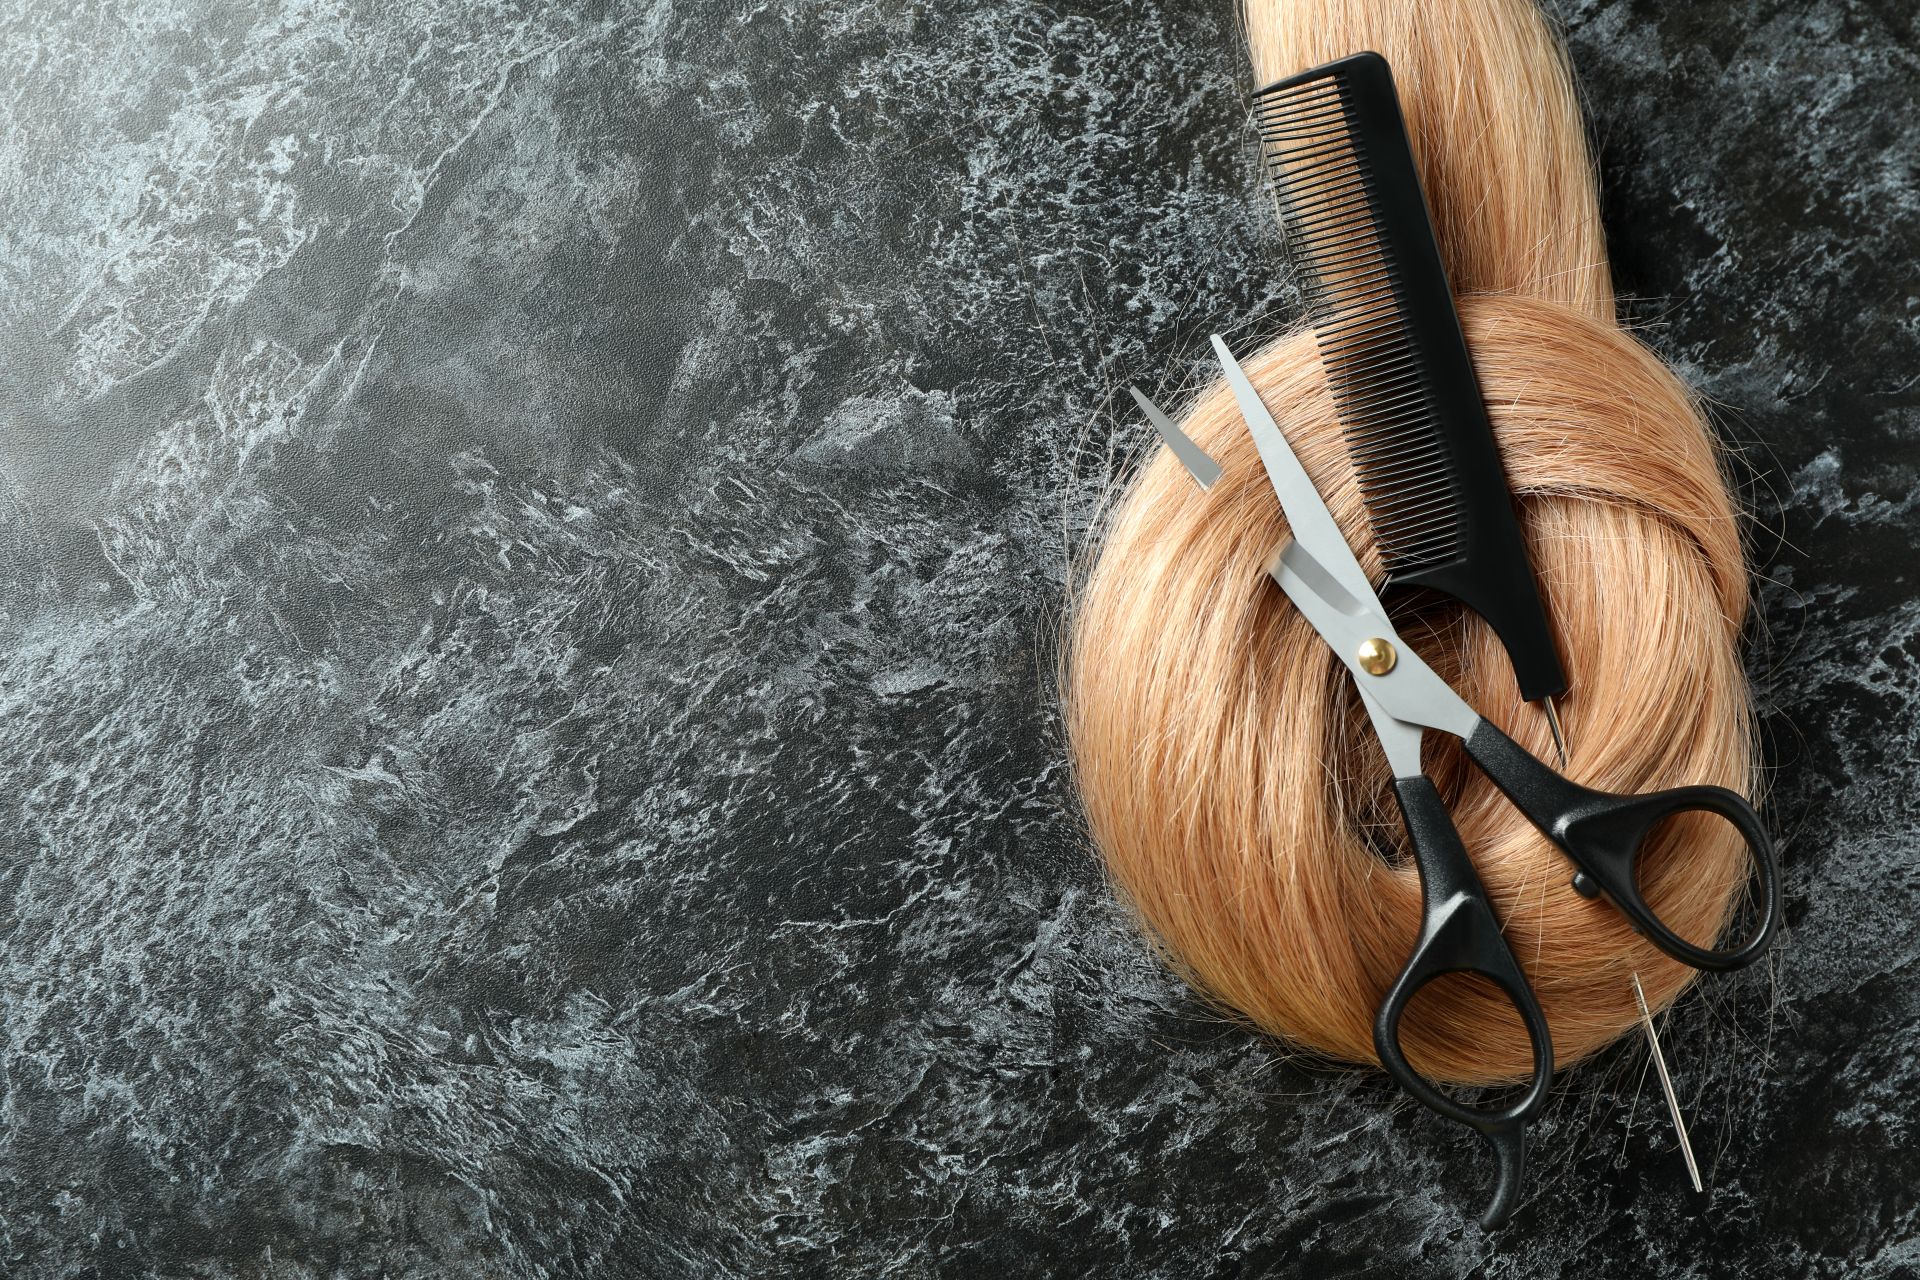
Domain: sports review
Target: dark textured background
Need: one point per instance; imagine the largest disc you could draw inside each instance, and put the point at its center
(531, 540)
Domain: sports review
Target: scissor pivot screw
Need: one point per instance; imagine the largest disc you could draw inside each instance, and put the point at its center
(1376, 656)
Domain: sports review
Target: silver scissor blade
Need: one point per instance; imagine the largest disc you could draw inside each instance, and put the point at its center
(1409, 691)
(1314, 528)
(1400, 740)
(1198, 462)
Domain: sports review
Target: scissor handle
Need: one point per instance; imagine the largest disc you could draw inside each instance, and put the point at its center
(1460, 934)
(1603, 834)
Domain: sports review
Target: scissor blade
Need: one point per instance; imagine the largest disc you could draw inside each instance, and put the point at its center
(1408, 691)
(1198, 462)
(1314, 529)
(1400, 740)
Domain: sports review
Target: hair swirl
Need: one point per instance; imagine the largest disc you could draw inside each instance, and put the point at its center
(1222, 756)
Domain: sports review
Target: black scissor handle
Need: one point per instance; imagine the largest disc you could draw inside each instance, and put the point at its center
(1460, 934)
(1603, 834)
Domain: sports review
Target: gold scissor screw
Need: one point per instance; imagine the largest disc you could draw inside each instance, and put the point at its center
(1376, 656)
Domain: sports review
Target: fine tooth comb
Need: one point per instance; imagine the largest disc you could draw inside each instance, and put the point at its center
(1403, 382)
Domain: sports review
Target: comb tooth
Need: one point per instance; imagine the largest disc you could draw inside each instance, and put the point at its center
(1383, 381)
(1436, 530)
(1320, 105)
(1325, 190)
(1335, 190)
(1403, 469)
(1396, 558)
(1307, 139)
(1397, 428)
(1326, 162)
(1331, 152)
(1364, 348)
(1360, 239)
(1362, 292)
(1363, 288)
(1349, 366)
(1393, 417)
(1376, 294)
(1401, 436)
(1408, 492)
(1343, 205)
(1346, 242)
(1358, 259)
(1297, 102)
(1379, 408)
(1391, 448)
(1373, 404)
(1304, 127)
(1364, 284)
(1356, 236)
(1408, 503)
(1385, 412)
(1411, 460)
(1369, 360)
(1416, 518)
(1338, 213)
(1310, 237)
(1315, 196)
(1368, 286)
(1383, 433)
(1351, 323)
(1380, 397)
(1435, 541)
(1368, 281)
(1280, 128)
(1276, 131)
(1383, 491)
(1333, 223)
(1405, 522)
(1320, 88)
(1400, 416)
(1329, 184)
(1306, 83)
(1434, 536)
(1386, 332)
(1366, 354)
(1365, 315)
(1402, 498)
(1430, 520)
(1311, 82)
(1420, 550)
(1282, 135)
(1406, 469)
(1334, 238)
(1379, 328)
(1418, 462)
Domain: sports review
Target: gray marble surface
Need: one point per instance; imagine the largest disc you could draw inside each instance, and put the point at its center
(531, 543)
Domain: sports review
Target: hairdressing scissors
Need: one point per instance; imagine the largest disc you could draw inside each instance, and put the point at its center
(1600, 833)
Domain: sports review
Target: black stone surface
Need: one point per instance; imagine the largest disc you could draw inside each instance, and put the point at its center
(531, 543)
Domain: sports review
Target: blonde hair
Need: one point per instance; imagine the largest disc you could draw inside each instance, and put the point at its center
(1225, 764)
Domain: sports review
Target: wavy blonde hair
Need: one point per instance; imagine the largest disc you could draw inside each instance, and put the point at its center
(1223, 759)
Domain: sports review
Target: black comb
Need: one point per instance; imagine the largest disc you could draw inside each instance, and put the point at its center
(1409, 401)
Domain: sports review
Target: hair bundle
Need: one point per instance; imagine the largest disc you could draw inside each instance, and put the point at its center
(1222, 756)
